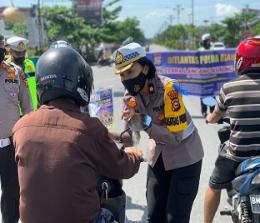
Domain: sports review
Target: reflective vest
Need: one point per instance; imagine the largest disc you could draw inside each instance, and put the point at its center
(29, 70)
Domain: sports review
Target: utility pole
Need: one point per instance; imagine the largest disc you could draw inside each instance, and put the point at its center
(192, 12)
(246, 16)
(39, 23)
(190, 18)
(206, 24)
(171, 18)
(178, 9)
(12, 3)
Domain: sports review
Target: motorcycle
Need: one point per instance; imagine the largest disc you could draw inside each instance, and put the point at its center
(112, 196)
(244, 195)
(104, 62)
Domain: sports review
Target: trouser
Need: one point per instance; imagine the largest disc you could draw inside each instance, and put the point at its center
(170, 194)
(9, 185)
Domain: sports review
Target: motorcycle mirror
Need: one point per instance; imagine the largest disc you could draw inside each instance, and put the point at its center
(139, 122)
(209, 101)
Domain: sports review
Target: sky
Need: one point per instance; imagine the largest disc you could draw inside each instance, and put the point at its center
(156, 15)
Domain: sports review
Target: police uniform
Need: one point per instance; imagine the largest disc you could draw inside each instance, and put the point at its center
(174, 149)
(19, 44)
(12, 92)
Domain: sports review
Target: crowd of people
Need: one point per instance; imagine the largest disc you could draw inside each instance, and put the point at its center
(51, 152)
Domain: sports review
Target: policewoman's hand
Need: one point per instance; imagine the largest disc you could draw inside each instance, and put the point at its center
(129, 108)
(127, 114)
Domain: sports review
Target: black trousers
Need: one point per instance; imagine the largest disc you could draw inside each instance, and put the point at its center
(9, 185)
(170, 194)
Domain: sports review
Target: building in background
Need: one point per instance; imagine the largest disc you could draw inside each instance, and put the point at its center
(36, 35)
(89, 9)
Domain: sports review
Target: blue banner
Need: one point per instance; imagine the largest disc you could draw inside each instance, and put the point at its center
(200, 73)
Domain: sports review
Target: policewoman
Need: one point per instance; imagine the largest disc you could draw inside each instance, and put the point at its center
(13, 92)
(174, 147)
(17, 47)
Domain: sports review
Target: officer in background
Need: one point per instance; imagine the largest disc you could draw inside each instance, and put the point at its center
(17, 47)
(13, 92)
(205, 45)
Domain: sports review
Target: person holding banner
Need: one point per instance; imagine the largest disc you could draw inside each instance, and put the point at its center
(205, 45)
(240, 99)
(174, 147)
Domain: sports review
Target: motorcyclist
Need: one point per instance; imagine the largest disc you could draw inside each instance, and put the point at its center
(205, 45)
(17, 47)
(59, 149)
(241, 99)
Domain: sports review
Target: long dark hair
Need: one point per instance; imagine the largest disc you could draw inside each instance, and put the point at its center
(152, 70)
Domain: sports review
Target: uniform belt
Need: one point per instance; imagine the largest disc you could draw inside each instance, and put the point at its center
(5, 142)
(188, 131)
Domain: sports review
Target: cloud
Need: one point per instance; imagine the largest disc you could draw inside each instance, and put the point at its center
(225, 9)
(159, 13)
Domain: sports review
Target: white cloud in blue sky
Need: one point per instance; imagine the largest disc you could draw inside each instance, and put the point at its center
(158, 13)
(225, 9)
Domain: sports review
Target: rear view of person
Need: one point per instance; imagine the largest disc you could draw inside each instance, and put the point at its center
(60, 150)
(240, 99)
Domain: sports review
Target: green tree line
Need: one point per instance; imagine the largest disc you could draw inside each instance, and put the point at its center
(230, 31)
(63, 23)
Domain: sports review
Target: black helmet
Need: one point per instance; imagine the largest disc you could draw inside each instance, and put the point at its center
(62, 73)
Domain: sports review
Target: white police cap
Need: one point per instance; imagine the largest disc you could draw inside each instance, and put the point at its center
(206, 36)
(17, 43)
(125, 56)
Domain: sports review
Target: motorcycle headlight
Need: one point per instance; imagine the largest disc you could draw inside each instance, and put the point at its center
(256, 179)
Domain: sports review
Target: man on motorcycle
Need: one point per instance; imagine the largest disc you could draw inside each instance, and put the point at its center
(240, 98)
(59, 150)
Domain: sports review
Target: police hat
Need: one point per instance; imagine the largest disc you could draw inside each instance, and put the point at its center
(17, 43)
(125, 56)
(205, 36)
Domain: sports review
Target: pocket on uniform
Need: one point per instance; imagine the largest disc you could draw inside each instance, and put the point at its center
(11, 88)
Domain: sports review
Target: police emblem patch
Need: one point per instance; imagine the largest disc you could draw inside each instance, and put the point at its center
(21, 46)
(119, 58)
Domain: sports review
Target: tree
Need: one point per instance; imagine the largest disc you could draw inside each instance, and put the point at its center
(231, 30)
(20, 29)
(178, 37)
(114, 30)
(63, 23)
